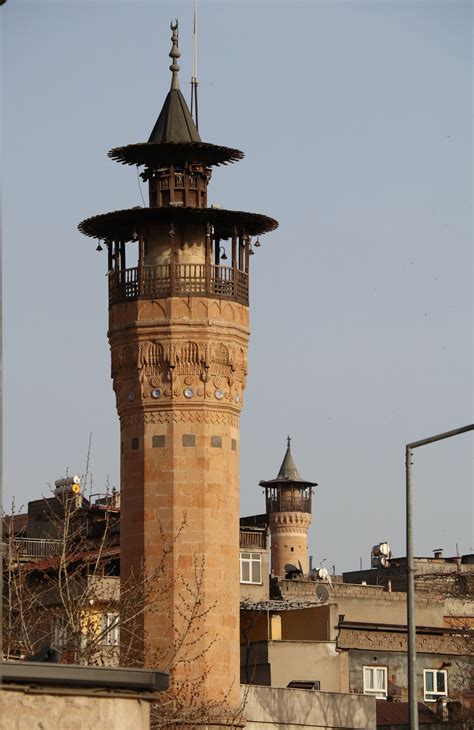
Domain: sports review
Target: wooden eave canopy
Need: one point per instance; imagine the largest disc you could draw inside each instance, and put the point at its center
(156, 154)
(122, 225)
(299, 483)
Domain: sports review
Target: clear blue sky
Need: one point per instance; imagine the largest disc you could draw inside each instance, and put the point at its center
(355, 118)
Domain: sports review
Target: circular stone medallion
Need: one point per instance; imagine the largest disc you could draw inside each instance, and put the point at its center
(131, 395)
(156, 393)
(188, 392)
(219, 394)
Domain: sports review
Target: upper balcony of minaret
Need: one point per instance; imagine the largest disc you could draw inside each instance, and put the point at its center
(288, 492)
(176, 185)
(185, 247)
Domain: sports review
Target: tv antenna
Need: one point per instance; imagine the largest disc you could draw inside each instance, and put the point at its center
(194, 80)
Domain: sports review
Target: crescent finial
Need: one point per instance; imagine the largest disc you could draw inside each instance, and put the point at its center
(174, 55)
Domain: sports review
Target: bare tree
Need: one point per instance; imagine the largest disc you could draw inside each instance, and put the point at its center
(72, 598)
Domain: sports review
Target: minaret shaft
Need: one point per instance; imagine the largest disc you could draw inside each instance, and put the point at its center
(180, 471)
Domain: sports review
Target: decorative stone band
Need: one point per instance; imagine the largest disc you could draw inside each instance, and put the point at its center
(279, 530)
(178, 371)
(212, 418)
(290, 521)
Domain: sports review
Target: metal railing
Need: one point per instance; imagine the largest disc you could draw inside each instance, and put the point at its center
(168, 280)
(36, 547)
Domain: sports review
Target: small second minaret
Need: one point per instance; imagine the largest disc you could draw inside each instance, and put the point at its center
(288, 502)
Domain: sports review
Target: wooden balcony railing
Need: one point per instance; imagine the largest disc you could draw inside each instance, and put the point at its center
(178, 280)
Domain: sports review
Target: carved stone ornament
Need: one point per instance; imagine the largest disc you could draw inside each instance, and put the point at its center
(213, 418)
(180, 364)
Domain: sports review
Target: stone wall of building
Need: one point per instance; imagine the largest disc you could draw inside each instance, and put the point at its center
(368, 603)
(458, 670)
(429, 643)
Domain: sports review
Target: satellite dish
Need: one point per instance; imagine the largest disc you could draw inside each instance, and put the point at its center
(322, 594)
(323, 573)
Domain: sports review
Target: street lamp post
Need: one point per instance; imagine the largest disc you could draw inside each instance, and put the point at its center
(411, 627)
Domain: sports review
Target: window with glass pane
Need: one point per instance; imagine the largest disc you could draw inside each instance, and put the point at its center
(375, 681)
(435, 684)
(250, 568)
(110, 629)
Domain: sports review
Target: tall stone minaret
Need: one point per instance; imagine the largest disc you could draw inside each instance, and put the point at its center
(288, 501)
(178, 333)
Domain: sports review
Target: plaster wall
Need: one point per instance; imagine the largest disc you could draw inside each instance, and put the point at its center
(296, 660)
(277, 663)
(22, 710)
(269, 708)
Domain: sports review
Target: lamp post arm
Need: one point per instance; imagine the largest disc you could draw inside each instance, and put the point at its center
(440, 436)
(411, 624)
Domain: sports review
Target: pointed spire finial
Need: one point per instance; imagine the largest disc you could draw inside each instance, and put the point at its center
(174, 55)
(288, 440)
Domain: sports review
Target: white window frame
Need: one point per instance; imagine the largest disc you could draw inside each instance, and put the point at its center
(109, 624)
(252, 560)
(432, 695)
(375, 691)
(58, 630)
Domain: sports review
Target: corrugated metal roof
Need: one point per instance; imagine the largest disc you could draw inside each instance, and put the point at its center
(394, 713)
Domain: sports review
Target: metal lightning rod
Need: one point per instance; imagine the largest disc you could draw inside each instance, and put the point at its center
(194, 80)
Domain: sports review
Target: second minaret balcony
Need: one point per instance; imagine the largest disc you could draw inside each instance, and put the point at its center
(161, 281)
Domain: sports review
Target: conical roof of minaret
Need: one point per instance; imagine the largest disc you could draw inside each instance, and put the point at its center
(288, 471)
(174, 138)
(175, 123)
